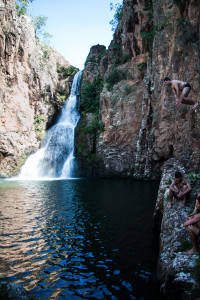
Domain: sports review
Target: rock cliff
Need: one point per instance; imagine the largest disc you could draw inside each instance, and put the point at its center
(34, 82)
(178, 273)
(142, 127)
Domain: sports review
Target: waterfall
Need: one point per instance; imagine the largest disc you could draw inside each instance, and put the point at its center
(56, 156)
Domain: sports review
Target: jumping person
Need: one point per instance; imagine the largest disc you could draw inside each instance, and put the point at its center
(193, 225)
(181, 91)
(179, 189)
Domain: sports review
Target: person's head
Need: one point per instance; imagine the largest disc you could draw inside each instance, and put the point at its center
(167, 80)
(178, 176)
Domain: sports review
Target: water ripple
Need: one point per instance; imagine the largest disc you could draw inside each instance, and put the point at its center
(57, 241)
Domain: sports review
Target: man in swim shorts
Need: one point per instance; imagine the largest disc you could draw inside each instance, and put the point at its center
(193, 225)
(179, 189)
(181, 91)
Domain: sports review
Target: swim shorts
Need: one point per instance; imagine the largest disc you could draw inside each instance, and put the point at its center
(178, 197)
(187, 85)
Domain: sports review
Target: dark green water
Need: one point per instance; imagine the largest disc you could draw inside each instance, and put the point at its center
(79, 239)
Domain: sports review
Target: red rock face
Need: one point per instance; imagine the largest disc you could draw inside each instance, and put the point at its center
(143, 127)
(28, 88)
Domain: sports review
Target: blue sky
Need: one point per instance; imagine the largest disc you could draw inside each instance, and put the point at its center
(76, 25)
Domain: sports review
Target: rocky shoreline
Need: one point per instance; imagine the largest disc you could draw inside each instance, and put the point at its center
(176, 270)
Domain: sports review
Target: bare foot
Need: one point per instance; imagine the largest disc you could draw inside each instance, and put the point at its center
(191, 252)
(170, 205)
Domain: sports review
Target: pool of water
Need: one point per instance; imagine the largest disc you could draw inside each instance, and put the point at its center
(79, 239)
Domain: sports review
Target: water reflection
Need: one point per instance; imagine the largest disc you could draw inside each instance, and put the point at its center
(79, 239)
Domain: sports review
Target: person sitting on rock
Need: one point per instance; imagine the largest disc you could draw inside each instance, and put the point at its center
(196, 208)
(179, 189)
(193, 225)
(181, 91)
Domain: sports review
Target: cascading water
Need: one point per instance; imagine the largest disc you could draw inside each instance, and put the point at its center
(55, 158)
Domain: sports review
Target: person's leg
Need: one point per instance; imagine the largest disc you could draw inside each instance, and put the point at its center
(185, 196)
(184, 98)
(171, 195)
(193, 233)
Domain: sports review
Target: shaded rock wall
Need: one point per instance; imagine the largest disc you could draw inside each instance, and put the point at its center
(176, 271)
(29, 86)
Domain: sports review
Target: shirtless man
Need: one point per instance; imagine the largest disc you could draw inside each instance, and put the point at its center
(181, 91)
(179, 189)
(196, 209)
(193, 225)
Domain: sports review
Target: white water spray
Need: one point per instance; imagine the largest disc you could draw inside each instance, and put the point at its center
(55, 158)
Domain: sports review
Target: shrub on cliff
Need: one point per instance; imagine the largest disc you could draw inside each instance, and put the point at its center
(22, 7)
(114, 77)
(118, 8)
(90, 95)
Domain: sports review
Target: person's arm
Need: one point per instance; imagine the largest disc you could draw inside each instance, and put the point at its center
(175, 89)
(176, 93)
(188, 189)
(172, 187)
(192, 221)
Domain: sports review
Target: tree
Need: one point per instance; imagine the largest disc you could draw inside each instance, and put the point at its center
(117, 16)
(39, 23)
(22, 7)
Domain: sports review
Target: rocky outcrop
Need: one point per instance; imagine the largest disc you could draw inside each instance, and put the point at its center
(32, 88)
(142, 126)
(177, 272)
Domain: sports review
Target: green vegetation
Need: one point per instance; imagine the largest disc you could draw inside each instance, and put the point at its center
(62, 95)
(95, 127)
(92, 59)
(194, 178)
(127, 90)
(62, 98)
(118, 8)
(183, 109)
(89, 103)
(119, 57)
(148, 38)
(37, 122)
(90, 95)
(65, 72)
(22, 7)
(142, 65)
(114, 77)
(39, 22)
